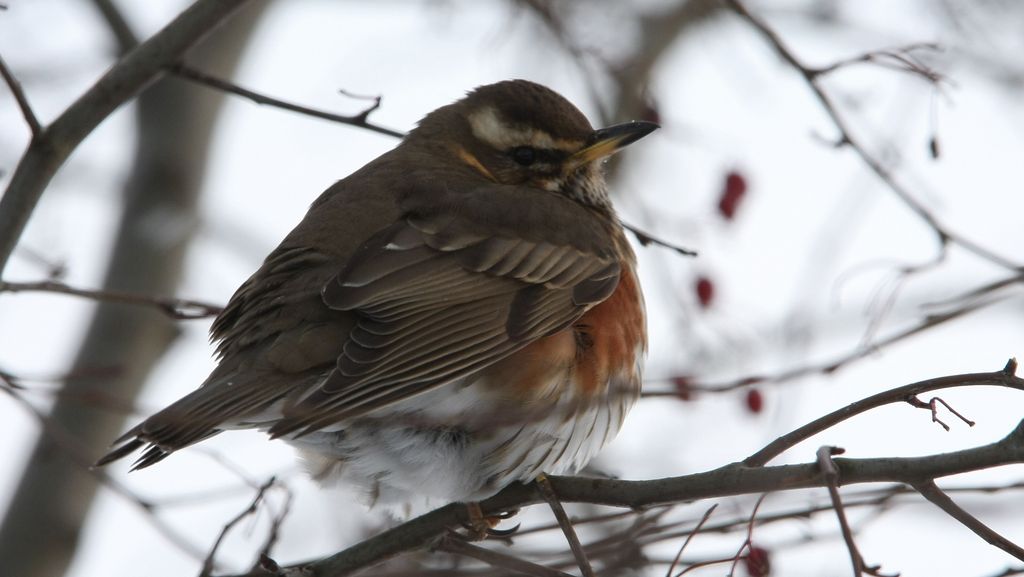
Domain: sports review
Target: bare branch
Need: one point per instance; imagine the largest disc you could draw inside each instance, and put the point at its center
(689, 537)
(453, 544)
(846, 138)
(173, 307)
(208, 562)
(929, 490)
(21, 99)
(1003, 378)
(932, 405)
(71, 447)
(645, 239)
(735, 479)
(833, 365)
(830, 473)
(547, 492)
(51, 147)
(901, 59)
(126, 39)
(357, 120)
(750, 534)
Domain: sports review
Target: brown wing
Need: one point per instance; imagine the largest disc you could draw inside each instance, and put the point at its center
(438, 298)
(463, 280)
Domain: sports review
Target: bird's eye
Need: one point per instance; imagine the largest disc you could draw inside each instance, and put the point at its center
(524, 155)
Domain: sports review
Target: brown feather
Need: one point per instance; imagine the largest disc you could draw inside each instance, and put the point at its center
(396, 281)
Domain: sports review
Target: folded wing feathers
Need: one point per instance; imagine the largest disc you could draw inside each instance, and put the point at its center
(436, 301)
(441, 308)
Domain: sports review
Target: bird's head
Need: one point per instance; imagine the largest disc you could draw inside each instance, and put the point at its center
(521, 133)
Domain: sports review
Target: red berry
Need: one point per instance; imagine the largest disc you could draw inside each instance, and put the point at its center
(684, 391)
(705, 291)
(732, 193)
(757, 562)
(755, 401)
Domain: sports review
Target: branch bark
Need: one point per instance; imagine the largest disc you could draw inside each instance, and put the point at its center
(41, 528)
(50, 147)
(735, 479)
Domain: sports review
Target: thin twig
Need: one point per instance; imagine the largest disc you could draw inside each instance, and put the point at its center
(929, 490)
(846, 138)
(548, 493)
(21, 99)
(833, 365)
(457, 546)
(750, 534)
(358, 120)
(275, 525)
(830, 473)
(988, 288)
(122, 31)
(51, 148)
(932, 405)
(181, 309)
(645, 239)
(1005, 377)
(679, 554)
(900, 59)
(207, 567)
(74, 451)
(735, 479)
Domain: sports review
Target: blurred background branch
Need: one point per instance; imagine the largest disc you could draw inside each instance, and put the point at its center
(42, 527)
(812, 272)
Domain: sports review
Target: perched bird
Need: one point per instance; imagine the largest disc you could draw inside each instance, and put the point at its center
(460, 313)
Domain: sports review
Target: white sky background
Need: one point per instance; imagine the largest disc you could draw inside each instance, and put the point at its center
(795, 275)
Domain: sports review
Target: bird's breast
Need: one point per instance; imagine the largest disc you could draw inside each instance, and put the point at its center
(614, 335)
(602, 350)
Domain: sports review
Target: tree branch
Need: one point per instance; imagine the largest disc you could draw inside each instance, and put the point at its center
(834, 364)
(830, 473)
(208, 562)
(929, 490)
(52, 146)
(173, 307)
(1003, 378)
(457, 546)
(846, 138)
(358, 120)
(735, 479)
(126, 39)
(21, 99)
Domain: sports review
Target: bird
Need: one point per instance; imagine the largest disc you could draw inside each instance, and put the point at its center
(461, 313)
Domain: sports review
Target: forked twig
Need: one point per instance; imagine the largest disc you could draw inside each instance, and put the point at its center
(207, 567)
(358, 120)
(846, 138)
(932, 405)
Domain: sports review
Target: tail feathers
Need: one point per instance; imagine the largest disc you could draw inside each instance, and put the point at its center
(119, 452)
(222, 402)
(162, 442)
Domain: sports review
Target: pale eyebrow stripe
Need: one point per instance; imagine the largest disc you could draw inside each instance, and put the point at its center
(488, 126)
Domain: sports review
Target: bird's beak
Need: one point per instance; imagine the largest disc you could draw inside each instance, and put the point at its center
(608, 141)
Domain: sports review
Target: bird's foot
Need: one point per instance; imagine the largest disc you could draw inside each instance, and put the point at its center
(482, 526)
